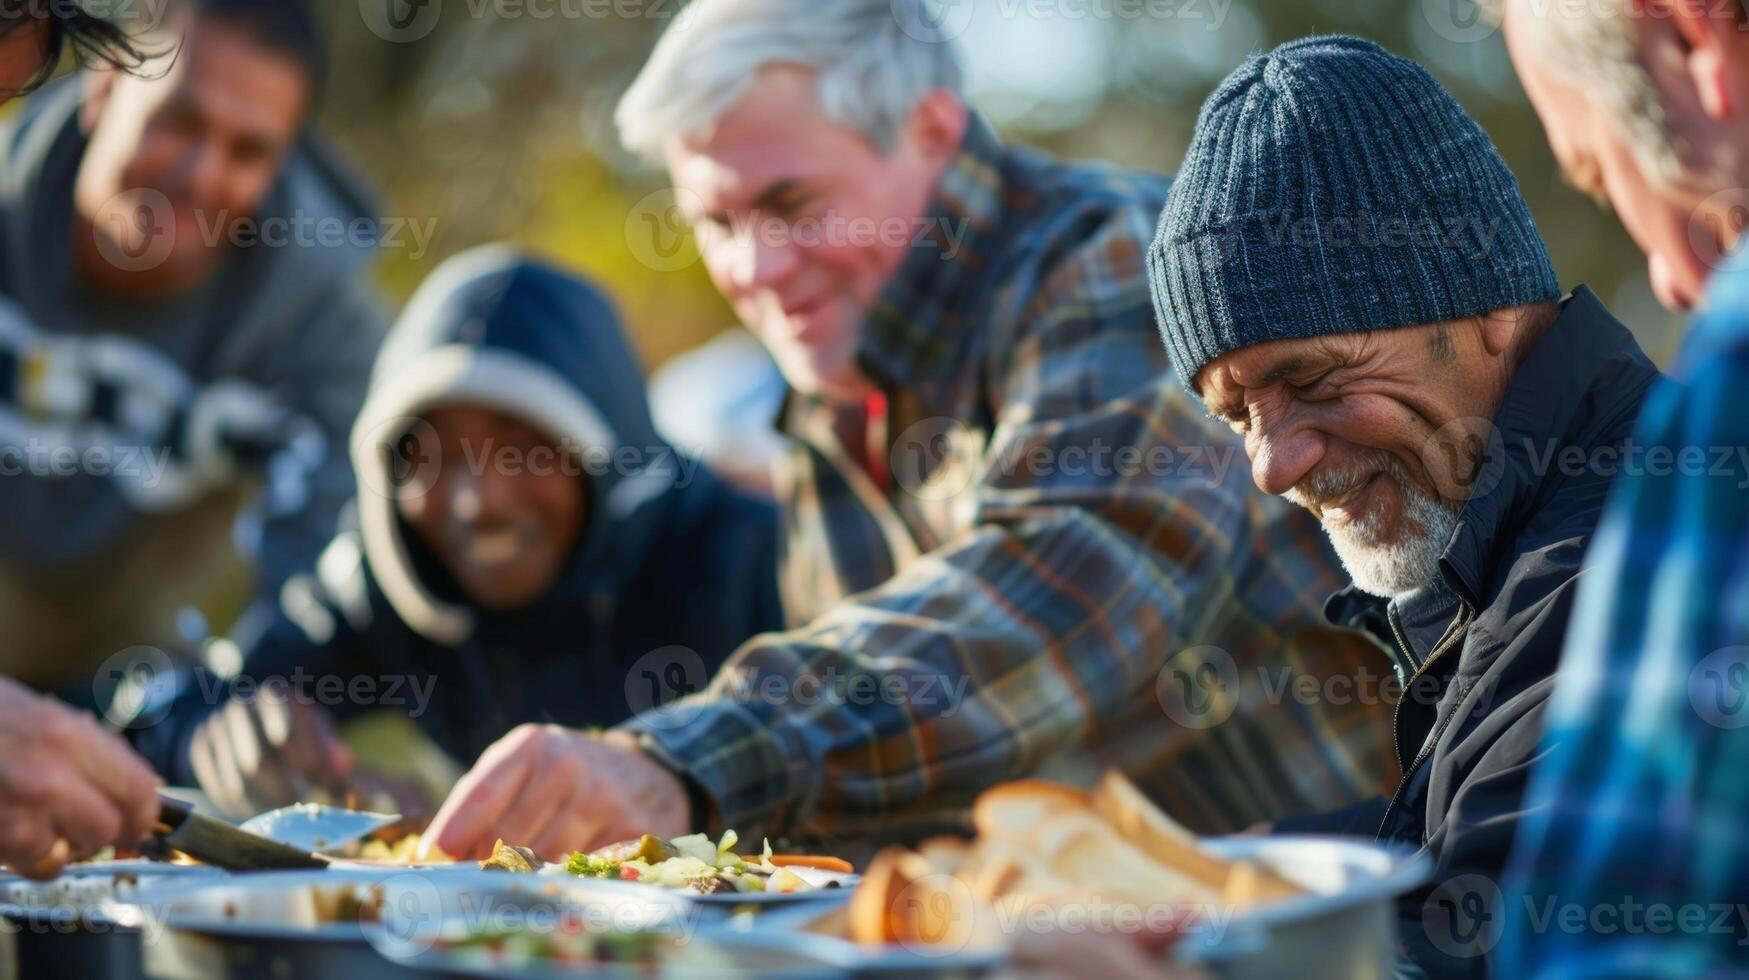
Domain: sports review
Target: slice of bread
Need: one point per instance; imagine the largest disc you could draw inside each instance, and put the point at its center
(950, 854)
(873, 909)
(1044, 844)
(1145, 825)
(1086, 853)
(905, 899)
(1013, 810)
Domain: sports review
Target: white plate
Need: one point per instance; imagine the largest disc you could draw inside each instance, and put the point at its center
(813, 876)
(419, 910)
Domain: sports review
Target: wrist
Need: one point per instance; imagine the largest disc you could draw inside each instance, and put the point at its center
(700, 812)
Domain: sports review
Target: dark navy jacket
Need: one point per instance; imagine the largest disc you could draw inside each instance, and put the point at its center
(1469, 724)
(673, 570)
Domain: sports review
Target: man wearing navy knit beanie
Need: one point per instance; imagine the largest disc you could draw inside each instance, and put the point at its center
(1347, 274)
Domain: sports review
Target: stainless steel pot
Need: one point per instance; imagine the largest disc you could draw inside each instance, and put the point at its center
(1343, 928)
(270, 924)
(62, 928)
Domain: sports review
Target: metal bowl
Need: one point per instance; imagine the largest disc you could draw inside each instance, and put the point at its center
(1344, 928)
(271, 924)
(62, 927)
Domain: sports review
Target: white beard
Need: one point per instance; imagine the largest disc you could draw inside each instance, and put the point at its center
(1401, 566)
(1389, 568)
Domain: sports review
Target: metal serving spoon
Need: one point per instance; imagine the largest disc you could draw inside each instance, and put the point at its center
(318, 828)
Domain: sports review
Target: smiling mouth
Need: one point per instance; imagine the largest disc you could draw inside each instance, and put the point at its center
(807, 308)
(1340, 503)
(491, 548)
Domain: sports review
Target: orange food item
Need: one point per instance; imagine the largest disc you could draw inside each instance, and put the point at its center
(818, 862)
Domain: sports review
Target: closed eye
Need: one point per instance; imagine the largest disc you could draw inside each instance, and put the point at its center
(1318, 388)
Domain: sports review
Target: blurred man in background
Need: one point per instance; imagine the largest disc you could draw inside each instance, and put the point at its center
(528, 549)
(977, 585)
(165, 353)
(67, 787)
(1647, 105)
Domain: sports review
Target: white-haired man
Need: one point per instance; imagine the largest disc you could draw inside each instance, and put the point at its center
(1637, 863)
(1004, 517)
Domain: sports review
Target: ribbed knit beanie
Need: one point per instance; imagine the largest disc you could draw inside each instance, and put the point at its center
(1333, 187)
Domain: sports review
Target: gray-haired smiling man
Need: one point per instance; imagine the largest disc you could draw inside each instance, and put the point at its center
(1410, 386)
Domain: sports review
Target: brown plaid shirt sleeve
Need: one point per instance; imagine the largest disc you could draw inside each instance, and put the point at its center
(1064, 530)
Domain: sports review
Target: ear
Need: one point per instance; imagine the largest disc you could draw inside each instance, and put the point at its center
(1709, 35)
(98, 86)
(1512, 332)
(937, 125)
(1499, 329)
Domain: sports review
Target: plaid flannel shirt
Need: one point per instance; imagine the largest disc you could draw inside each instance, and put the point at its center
(1067, 554)
(1638, 863)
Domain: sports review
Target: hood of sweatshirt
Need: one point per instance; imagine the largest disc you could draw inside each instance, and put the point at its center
(495, 328)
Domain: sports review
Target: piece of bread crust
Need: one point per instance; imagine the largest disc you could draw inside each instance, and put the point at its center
(1015, 809)
(1148, 828)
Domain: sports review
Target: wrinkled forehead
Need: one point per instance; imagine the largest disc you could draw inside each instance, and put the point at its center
(1226, 383)
(1264, 364)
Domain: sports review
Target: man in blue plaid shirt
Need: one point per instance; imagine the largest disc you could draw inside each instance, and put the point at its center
(1638, 865)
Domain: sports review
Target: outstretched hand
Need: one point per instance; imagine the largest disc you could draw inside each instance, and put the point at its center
(557, 791)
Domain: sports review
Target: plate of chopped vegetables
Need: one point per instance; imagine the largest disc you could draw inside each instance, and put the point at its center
(698, 867)
(537, 927)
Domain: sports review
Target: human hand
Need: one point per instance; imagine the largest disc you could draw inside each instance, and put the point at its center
(270, 750)
(556, 790)
(68, 786)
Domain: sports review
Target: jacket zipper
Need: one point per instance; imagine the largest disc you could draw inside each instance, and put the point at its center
(1397, 717)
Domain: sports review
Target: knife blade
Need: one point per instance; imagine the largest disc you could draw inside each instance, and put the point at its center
(219, 844)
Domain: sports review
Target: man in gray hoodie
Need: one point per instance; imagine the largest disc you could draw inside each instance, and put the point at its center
(185, 333)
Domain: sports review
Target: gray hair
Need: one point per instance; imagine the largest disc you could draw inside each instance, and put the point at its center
(1596, 45)
(876, 60)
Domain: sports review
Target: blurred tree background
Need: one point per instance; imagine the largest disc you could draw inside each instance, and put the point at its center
(494, 117)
